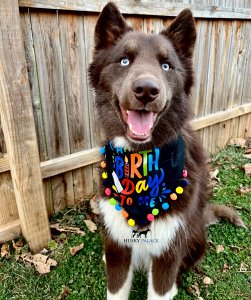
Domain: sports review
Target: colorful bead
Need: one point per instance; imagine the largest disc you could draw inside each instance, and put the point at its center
(131, 222)
(118, 207)
(113, 201)
(125, 214)
(102, 150)
(104, 175)
(150, 217)
(173, 196)
(108, 191)
(105, 182)
(179, 190)
(184, 173)
(184, 182)
(155, 211)
(165, 206)
(103, 164)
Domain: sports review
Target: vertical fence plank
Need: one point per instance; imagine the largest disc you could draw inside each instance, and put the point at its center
(89, 22)
(49, 58)
(36, 101)
(89, 25)
(72, 38)
(244, 129)
(19, 129)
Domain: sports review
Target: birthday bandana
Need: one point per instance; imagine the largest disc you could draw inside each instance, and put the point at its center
(142, 184)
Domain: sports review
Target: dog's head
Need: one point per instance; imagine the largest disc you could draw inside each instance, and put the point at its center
(142, 81)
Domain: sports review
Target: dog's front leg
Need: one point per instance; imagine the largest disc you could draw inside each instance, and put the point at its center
(162, 277)
(119, 270)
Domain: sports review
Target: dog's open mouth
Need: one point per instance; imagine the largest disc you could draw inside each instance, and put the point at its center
(139, 123)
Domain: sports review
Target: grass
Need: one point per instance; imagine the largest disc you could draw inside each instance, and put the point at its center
(83, 277)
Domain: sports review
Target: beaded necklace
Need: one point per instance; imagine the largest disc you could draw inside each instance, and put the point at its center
(141, 185)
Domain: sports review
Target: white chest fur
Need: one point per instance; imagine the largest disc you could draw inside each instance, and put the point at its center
(159, 238)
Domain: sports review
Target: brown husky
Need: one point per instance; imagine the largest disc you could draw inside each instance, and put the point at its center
(154, 176)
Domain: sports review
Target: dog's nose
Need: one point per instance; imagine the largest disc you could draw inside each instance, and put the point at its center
(146, 90)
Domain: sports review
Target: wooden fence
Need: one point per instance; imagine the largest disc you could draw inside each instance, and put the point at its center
(48, 132)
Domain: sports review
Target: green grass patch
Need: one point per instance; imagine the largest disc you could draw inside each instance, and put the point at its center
(83, 276)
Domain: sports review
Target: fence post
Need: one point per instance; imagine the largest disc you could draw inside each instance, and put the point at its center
(19, 129)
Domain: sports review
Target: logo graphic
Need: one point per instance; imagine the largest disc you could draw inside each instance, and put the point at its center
(138, 234)
(140, 237)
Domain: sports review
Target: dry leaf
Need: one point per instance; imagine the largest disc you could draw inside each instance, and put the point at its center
(44, 251)
(18, 246)
(247, 168)
(196, 288)
(76, 249)
(248, 151)
(239, 142)
(226, 268)
(41, 262)
(247, 156)
(65, 292)
(90, 225)
(219, 248)
(243, 267)
(213, 176)
(5, 251)
(214, 173)
(94, 205)
(67, 229)
(207, 281)
(244, 190)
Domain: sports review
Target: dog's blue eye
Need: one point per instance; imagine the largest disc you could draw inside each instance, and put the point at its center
(124, 62)
(165, 67)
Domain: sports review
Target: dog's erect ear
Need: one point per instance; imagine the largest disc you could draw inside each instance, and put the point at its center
(182, 33)
(110, 27)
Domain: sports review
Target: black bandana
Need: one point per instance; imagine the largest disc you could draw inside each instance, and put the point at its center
(142, 184)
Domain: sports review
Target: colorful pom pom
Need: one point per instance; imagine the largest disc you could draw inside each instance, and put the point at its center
(165, 206)
(103, 164)
(104, 175)
(155, 211)
(184, 182)
(131, 222)
(118, 207)
(173, 196)
(102, 150)
(179, 190)
(108, 191)
(184, 173)
(150, 217)
(125, 213)
(113, 201)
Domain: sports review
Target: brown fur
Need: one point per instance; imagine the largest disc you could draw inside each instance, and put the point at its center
(114, 87)
(214, 213)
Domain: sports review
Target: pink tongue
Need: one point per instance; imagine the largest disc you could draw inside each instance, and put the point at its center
(140, 121)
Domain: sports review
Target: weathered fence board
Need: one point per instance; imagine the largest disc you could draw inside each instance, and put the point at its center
(48, 52)
(8, 201)
(10, 231)
(72, 38)
(148, 7)
(19, 129)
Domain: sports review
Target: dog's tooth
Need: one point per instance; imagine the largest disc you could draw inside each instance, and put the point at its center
(130, 126)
